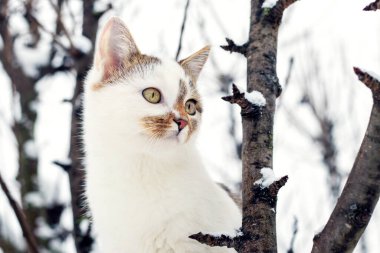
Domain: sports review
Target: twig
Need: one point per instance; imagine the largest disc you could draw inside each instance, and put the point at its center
(369, 81)
(295, 231)
(182, 29)
(232, 47)
(31, 240)
(372, 6)
(220, 241)
(247, 108)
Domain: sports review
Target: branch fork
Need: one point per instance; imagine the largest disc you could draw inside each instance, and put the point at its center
(248, 109)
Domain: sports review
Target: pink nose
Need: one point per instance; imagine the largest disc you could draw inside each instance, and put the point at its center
(181, 123)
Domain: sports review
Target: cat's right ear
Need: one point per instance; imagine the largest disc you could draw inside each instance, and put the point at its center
(114, 46)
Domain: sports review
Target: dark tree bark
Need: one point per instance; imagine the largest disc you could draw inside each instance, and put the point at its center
(355, 206)
(259, 218)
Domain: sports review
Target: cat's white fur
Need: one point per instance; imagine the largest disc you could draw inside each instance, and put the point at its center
(147, 196)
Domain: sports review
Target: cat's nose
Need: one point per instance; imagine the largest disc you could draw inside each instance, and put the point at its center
(181, 123)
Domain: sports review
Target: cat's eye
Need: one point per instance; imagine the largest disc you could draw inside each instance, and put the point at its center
(190, 106)
(152, 95)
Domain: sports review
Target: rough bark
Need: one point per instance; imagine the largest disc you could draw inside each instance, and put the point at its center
(355, 206)
(259, 219)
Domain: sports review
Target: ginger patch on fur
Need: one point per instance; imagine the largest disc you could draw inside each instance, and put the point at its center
(157, 126)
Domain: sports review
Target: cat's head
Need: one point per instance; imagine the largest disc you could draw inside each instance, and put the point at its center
(143, 97)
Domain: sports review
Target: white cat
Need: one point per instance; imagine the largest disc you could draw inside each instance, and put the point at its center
(146, 186)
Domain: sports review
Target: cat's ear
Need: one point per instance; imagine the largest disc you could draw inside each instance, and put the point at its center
(194, 63)
(114, 46)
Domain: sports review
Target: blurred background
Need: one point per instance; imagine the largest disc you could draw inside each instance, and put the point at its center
(46, 47)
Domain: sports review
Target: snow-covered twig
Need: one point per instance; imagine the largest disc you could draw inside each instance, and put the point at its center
(248, 109)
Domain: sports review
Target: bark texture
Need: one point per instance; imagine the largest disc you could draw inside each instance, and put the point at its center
(355, 206)
(259, 219)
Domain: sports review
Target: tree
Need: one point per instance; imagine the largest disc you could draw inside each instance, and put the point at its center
(361, 193)
(63, 44)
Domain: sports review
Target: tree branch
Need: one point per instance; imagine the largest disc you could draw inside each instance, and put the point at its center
(355, 206)
(219, 241)
(30, 239)
(232, 47)
(373, 6)
(182, 29)
(247, 108)
(372, 83)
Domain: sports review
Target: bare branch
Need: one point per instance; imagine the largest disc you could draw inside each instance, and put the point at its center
(182, 29)
(277, 185)
(31, 240)
(372, 6)
(219, 241)
(232, 47)
(355, 206)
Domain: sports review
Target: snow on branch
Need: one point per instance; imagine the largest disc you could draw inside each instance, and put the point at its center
(371, 80)
(232, 47)
(249, 107)
(269, 3)
(373, 6)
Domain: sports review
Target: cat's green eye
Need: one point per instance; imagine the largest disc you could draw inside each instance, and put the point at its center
(152, 95)
(190, 106)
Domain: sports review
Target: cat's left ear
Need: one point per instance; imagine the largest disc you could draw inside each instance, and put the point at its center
(195, 62)
(114, 48)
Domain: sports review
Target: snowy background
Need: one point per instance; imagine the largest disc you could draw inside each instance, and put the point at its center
(325, 39)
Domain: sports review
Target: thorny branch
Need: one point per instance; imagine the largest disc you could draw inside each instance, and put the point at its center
(27, 232)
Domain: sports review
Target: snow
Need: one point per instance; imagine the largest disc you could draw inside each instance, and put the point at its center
(82, 43)
(267, 178)
(371, 73)
(30, 149)
(269, 3)
(31, 58)
(34, 199)
(234, 234)
(256, 98)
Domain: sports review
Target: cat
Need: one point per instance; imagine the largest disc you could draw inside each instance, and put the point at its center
(146, 186)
